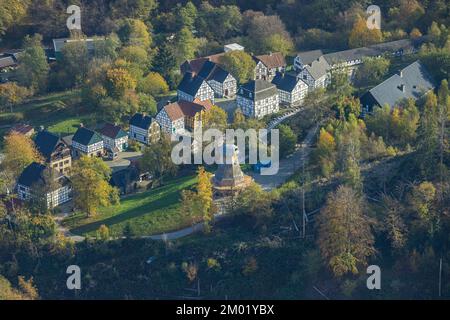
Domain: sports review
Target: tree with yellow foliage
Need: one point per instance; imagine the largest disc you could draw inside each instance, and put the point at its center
(11, 12)
(326, 152)
(103, 233)
(26, 291)
(12, 94)
(19, 152)
(134, 32)
(119, 81)
(215, 118)
(153, 84)
(201, 200)
(90, 178)
(361, 36)
(423, 201)
(205, 197)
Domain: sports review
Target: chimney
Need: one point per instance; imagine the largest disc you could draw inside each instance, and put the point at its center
(270, 53)
(402, 87)
(400, 73)
(81, 125)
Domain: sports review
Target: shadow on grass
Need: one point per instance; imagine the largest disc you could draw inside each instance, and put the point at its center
(163, 197)
(147, 208)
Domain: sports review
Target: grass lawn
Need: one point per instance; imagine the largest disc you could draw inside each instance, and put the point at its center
(151, 212)
(69, 125)
(58, 112)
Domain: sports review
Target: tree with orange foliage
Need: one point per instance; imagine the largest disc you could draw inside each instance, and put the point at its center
(326, 152)
(361, 36)
(345, 236)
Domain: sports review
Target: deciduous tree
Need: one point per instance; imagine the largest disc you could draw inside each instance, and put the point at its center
(361, 36)
(91, 188)
(19, 152)
(157, 159)
(12, 94)
(153, 84)
(215, 118)
(345, 237)
(240, 64)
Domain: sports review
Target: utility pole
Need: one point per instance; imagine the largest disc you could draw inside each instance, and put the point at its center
(303, 201)
(440, 277)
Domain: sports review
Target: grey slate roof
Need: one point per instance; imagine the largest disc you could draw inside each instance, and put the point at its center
(31, 174)
(58, 44)
(257, 90)
(34, 174)
(46, 142)
(415, 80)
(318, 68)
(86, 136)
(190, 84)
(7, 61)
(212, 71)
(307, 57)
(392, 47)
(286, 81)
(141, 121)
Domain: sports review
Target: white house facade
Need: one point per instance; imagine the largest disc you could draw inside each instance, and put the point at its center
(114, 138)
(268, 65)
(144, 129)
(258, 98)
(171, 121)
(221, 82)
(291, 90)
(194, 87)
(32, 175)
(87, 142)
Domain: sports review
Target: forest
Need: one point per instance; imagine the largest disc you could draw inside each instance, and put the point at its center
(375, 188)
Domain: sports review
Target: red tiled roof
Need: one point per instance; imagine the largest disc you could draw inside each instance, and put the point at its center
(22, 128)
(110, 130)
(195, 65)
(272, 60)
(182, 109)
(189, 109)
(206, 104)
(173, 111)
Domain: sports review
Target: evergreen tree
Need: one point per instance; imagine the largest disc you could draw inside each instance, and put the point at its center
(33, 67)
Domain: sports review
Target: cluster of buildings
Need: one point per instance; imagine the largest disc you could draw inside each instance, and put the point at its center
(204, 80)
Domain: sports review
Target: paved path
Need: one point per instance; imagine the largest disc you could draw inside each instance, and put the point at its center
(123, 160)
(288, 166)
(272, 124)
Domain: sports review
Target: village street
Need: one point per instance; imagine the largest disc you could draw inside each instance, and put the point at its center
(287, 167)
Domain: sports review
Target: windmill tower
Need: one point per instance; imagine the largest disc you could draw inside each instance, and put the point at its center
(229, 178)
